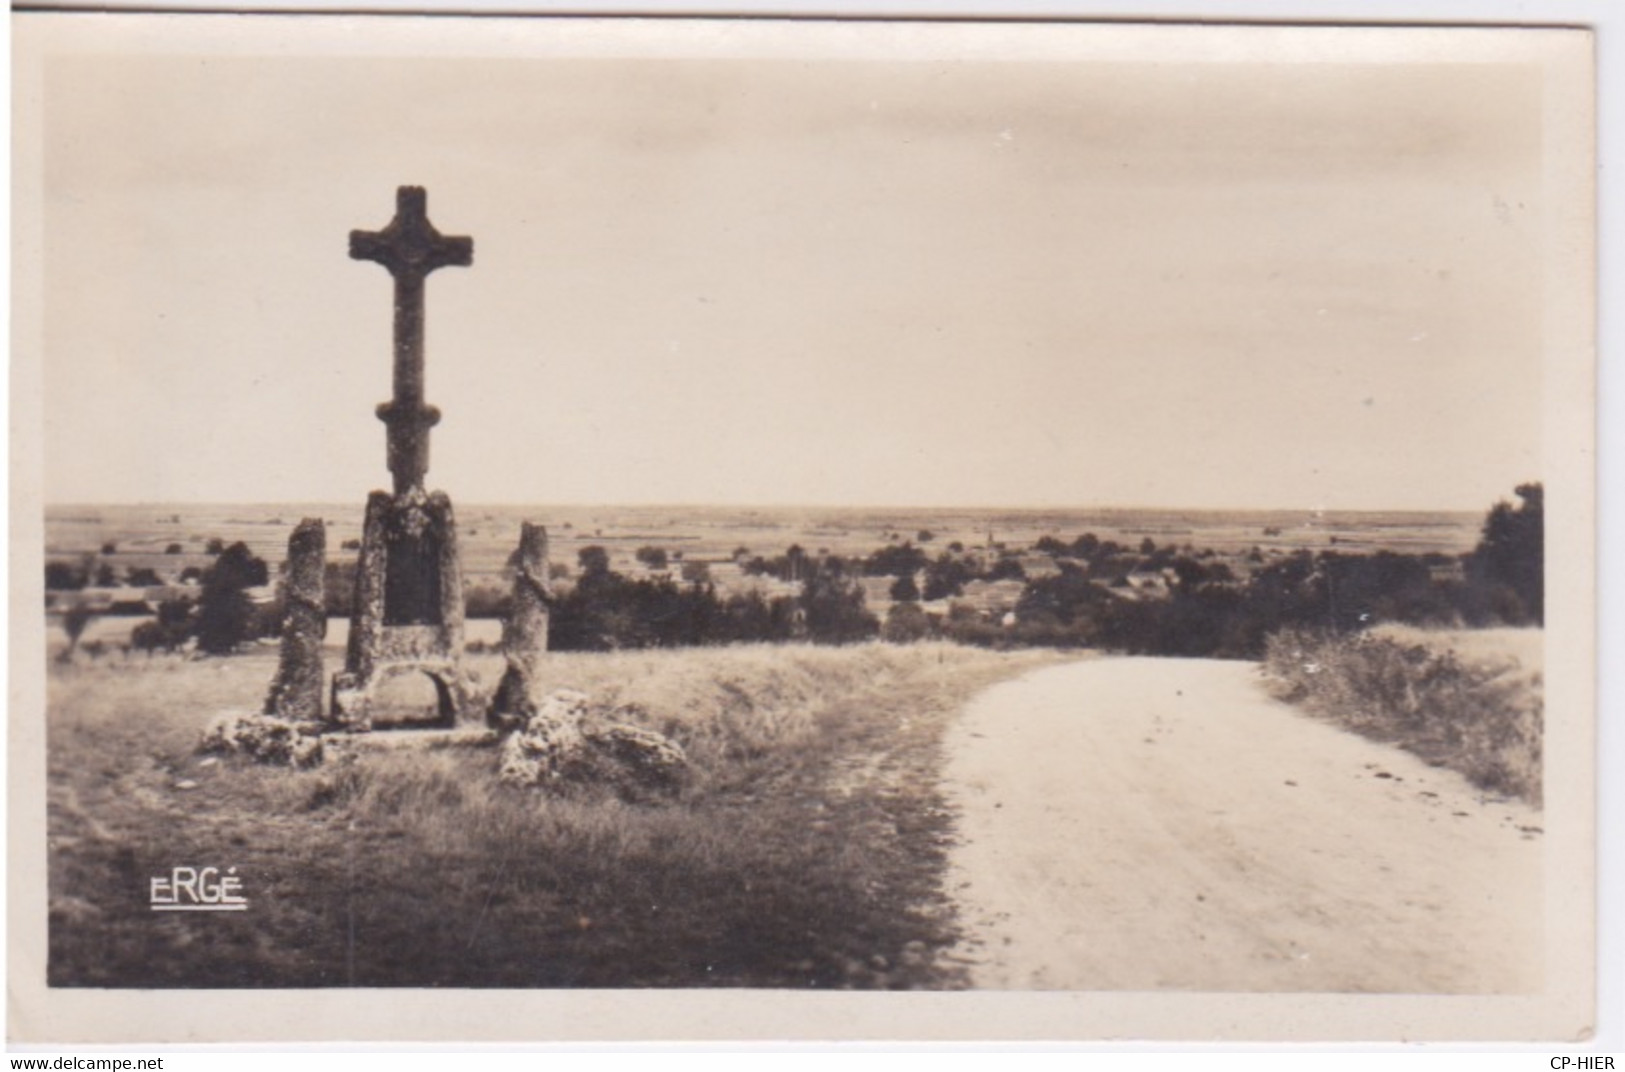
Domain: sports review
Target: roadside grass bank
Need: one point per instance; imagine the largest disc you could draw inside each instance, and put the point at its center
(1469, 700)
(807, 851)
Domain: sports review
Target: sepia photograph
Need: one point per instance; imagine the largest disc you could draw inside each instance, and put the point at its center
(800, 528)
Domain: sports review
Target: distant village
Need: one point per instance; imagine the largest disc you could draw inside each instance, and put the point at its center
(627, 587)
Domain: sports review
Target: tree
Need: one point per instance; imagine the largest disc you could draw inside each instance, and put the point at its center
(215, 546)
(833, 606)
(653, 557)
(74, 621)
(1512, 552)
(145, 577)
(169, 630)
(1067, 599)
(1006, 567)
(904, 590)
(945, 577)
(751, 616)
(594, 560)
(63, 576)
(906, 560)
(224, 608)
(696, 572)
(174, 549)
(106, 576)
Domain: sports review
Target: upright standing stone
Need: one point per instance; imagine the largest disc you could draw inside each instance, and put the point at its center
(524, 633)
(408, 613)
(296, 693)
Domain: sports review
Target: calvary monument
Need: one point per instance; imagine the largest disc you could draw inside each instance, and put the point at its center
(408, 611)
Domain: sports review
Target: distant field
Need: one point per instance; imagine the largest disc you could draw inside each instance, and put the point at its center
(116, 630)
(488, 534)
(1524, 649)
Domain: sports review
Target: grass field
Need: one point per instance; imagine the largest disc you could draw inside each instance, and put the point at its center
(807, 852)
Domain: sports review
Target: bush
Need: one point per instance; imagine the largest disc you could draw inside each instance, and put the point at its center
(752, 617)
(63, 576)
(1479, 718)
(169, 631)
(907, 623)
(144, 577)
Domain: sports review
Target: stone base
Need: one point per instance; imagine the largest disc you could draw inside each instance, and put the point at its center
(356, 701)
(408, 618)
(460, 737)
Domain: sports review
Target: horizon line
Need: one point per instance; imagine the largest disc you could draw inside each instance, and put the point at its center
(1033, 509)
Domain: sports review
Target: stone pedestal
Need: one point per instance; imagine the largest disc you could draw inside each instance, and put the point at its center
(408, 615)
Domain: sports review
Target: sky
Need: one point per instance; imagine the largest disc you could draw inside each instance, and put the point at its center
(958, 281)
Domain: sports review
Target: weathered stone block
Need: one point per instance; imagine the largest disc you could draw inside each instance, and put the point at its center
(263, 738)
(642, 758)
(566, 742)
(524, 633)
(296, 692)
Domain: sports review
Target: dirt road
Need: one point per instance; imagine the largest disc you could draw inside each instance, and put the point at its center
(1141, 824)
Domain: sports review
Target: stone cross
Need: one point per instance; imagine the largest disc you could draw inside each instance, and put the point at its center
(410, 248)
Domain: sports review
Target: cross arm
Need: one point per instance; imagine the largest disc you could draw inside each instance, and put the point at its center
(410, 245)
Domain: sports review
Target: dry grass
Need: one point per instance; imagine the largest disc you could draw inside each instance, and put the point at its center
(807, 852)
(1469, 700)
